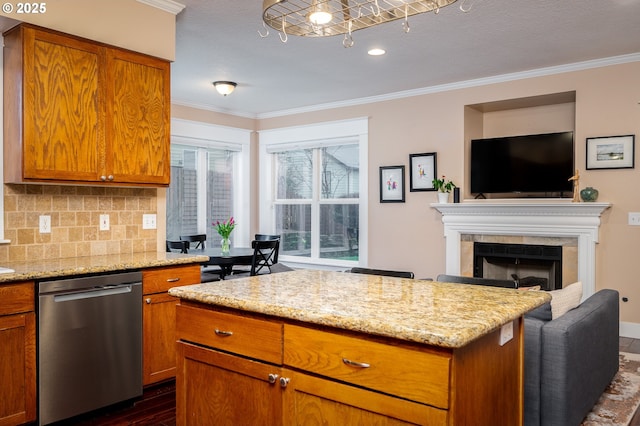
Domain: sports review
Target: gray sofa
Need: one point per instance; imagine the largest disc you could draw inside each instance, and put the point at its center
(569, 361)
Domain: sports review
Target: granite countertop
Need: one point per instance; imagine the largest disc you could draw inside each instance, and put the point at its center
(51, 268)
(441, 314)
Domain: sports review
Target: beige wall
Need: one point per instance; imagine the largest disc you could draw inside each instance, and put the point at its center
(606, 104)
(124, 23)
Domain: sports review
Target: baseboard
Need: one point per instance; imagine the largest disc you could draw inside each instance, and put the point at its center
(630, 329)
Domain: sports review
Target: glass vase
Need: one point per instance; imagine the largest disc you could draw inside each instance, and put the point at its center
(225, 245)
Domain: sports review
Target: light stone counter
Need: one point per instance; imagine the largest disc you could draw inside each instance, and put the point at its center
(440, 314)
(50, 268)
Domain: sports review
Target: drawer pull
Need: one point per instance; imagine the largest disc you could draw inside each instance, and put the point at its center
(272, 378)
(148, 300)
(223, 333)
(284, 381)
(173, 280)
(355, 363)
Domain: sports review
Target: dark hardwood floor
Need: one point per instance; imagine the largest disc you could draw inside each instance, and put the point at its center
(157, 406)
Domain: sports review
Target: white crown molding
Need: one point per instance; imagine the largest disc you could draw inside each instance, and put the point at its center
(166, 5)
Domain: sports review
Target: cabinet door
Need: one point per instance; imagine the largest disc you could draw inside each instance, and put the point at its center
(18, 369)
(63, 107)
(314, 400)
(218, 388)
(138, 105)
(159, 337)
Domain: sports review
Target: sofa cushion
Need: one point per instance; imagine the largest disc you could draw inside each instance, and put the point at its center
(565, 299)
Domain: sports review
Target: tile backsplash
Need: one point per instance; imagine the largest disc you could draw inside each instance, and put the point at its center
(75, 221)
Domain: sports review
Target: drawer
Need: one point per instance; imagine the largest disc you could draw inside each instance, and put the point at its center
(417, 375)
(17, 298)
(251, 337)
(162, 279)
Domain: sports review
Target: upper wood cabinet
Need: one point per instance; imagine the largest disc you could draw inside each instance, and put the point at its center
(78, 111)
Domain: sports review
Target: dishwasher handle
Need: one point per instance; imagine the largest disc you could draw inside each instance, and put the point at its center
(107, 290)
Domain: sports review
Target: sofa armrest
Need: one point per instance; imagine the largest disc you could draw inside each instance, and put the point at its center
(579, 358)
(532, 369)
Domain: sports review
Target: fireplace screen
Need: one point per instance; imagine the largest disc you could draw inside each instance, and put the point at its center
(528, 264)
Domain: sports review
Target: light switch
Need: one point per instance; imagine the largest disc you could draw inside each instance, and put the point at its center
(634, 218)
(104, 222)
(148, 221)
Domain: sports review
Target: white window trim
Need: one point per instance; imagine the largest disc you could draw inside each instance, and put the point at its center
(205, 135)
(300, 137)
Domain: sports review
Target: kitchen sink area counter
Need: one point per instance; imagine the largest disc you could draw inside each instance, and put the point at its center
(36, 269)
(323, 347)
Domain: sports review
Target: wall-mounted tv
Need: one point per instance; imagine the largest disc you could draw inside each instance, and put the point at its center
(531, 165)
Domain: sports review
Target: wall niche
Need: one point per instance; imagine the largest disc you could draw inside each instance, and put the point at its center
(547, 113)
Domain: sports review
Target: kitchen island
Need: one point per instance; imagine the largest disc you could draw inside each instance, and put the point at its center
(309, 347)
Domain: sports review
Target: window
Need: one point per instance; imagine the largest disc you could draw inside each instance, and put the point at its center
(207, 184)
(315, 192)
(199, 176)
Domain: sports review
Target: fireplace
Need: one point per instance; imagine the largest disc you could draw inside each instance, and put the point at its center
(518, 219)
(527, 264)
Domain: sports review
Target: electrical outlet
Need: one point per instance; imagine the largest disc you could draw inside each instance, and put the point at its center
(506, 333)
(148, 221)
(104, 222)
(634, 218)
(45, 224)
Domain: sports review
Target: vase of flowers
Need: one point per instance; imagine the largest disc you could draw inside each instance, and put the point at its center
(224, 230)
(444, 187)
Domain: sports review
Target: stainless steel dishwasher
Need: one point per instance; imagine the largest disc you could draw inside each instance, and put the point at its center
(89, 343)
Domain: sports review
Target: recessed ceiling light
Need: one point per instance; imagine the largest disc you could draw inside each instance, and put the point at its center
(376, 52)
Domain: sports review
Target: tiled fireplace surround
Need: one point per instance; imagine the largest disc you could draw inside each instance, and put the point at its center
(574, 226)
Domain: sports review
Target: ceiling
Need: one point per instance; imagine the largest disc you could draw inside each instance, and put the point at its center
(220, 40)
(496, 39)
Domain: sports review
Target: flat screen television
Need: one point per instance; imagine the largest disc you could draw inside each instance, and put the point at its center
(531, 165)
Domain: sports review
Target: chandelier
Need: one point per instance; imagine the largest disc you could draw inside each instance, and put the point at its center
(322, 18)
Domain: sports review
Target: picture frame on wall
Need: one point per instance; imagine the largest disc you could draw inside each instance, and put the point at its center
(611, 152)
(392, 184)
(422, 171)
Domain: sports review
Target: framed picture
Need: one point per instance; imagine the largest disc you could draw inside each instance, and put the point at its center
(422, 171)
(610, 152)
(392, 184)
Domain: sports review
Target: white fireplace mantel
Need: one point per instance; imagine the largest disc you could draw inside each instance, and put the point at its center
(526, 218)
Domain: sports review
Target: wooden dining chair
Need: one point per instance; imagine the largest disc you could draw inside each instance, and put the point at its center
(264, 253)
(177, 246)
(198, 239)
(382, 272)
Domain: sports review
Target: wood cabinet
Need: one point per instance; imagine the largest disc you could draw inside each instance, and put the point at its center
(18, 354)
(248, 368)
(81, 112)
(159, 319)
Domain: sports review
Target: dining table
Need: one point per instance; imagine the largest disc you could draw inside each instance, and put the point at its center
(227, 260)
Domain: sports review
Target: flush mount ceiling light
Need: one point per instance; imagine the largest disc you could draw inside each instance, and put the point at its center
(224, 87)
(321, 18)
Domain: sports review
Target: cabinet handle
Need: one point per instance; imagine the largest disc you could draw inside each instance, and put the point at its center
(272, 378)
(223, 333)
(110, 177)
(103, 178)
(355, 363)
(148, 300)
(173, 280)
(284, 381)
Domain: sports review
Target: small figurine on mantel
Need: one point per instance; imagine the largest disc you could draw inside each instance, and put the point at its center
(576, 186)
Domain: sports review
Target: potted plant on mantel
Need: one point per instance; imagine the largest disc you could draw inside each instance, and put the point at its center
(443, 187)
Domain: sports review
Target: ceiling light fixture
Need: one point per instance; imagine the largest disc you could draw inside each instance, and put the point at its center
(224, 87)
(376, 51)
(321, 18)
